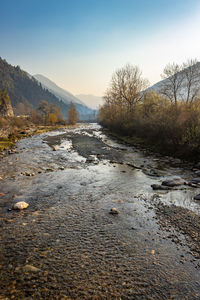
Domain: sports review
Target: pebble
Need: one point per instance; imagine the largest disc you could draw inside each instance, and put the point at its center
(20, 205)
(114, 211)
(29, 268)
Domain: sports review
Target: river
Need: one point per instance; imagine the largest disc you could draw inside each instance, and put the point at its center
(66, 244)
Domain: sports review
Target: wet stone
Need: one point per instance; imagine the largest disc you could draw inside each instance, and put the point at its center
(198, 173)
(197, 197)
(195, 180)
(29, 268)
(114, 211)
(174, 182)
(90, 159)
(54, 148)
(20, 205)
(160, 187)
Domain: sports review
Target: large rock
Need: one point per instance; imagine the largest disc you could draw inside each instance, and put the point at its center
(174, 182)
(197, 197)
(195, 180)
(20, 205)
(160, 187)
(197, 173)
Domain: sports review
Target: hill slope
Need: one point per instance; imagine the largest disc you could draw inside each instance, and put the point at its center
(183, 90)
(22, 87)
(56, 90)
(65, 96)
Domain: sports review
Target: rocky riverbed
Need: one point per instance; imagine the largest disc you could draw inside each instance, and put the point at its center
(67, 245)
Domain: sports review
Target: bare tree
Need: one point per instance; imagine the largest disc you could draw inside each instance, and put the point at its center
(126, 88)
(171, 86)
(191, 82)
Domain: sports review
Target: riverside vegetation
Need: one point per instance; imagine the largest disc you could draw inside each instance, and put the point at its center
(28, 121)
(167, 120)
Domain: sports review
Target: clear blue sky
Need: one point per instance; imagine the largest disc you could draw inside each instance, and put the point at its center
(79, 43)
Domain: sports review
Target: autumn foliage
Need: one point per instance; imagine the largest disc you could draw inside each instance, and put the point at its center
(171, 127)
(72, 115)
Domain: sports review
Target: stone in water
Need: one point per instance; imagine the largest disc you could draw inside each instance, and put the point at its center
(114, 211)
(20, 205)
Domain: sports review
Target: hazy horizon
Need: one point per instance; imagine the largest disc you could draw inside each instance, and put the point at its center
(79, 44)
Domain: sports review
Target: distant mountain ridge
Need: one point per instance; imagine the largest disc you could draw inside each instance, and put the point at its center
(22, 87)
(91, 100)
(65, 96)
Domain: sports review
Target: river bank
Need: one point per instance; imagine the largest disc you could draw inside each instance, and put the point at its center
(155, 147)
(10, 136)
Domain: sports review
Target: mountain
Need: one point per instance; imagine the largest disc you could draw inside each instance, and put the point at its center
(56, 90)
(21, 87)
(91, 100)
(85, 112)
(189, 83)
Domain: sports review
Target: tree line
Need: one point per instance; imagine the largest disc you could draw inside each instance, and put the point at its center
(25, 114)
(46, 113)
(168, 118)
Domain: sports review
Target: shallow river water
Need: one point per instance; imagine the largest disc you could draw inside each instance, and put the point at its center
(66, 245)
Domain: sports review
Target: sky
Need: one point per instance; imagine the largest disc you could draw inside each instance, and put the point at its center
(78, 44)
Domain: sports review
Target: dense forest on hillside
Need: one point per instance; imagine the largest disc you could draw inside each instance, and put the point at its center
(22, 88)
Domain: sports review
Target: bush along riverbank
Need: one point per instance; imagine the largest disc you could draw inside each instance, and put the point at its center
(151, 119)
